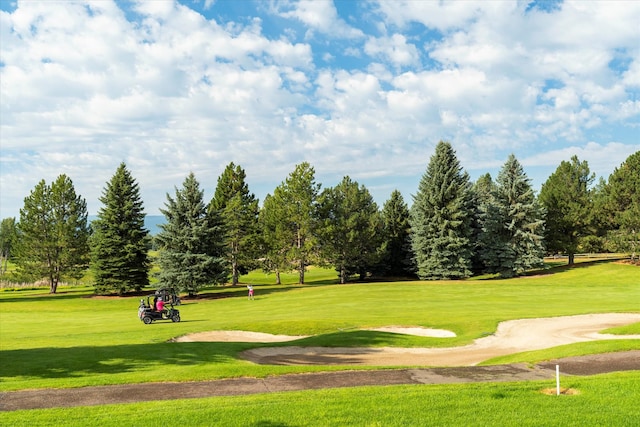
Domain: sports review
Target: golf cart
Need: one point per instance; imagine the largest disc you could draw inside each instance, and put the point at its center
(148, 313)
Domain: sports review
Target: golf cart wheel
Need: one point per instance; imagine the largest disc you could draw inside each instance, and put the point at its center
(175, 318)
(147, 320)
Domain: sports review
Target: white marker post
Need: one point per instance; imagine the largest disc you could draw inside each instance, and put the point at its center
(558, 380)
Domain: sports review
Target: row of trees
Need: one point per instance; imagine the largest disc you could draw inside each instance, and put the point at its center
(454, 228)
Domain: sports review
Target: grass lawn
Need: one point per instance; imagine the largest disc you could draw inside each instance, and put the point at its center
(74, 339)
(601, 400)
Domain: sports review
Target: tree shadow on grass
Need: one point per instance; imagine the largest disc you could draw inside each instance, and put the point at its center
(83, 361)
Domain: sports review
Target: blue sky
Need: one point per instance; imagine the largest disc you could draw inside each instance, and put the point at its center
(358, 88)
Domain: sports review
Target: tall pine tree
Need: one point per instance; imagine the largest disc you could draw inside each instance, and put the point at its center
(120, 242)
(566, 196)
(513, 225)
(54, 233)
(623, 204)
(238, 211)
(397, 257)
(190, 242)
(289, 221)
(483, 190)
(441, 219)
(274, 232)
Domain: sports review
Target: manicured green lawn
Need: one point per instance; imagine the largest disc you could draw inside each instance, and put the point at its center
(604, 400)
(73, 339)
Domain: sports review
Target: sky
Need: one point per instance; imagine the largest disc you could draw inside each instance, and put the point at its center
(359, 88)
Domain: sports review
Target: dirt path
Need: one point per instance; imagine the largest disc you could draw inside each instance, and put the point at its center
(130, 393)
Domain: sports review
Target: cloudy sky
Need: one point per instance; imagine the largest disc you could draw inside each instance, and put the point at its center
(358, 88)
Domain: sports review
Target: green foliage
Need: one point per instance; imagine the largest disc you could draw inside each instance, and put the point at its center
(289, 222)
(397, 257)
(623, 204)
(191, 242)
(567, 199)
(512, 225)
(120, 243)
(8, 240)
(482, 193)
(238, 210)
(441, 219)
(53, 233)
(349, 230)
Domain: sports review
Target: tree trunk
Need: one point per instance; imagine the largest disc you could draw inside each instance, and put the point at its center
(278, 282)
(234, 275)
(571, 258)
(301, 272)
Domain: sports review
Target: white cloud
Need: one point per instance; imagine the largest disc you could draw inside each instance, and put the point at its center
(318, 15)
(438, 15)
(395, 49)
(83, 88)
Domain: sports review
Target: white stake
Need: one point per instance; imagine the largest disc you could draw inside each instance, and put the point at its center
(558, 380)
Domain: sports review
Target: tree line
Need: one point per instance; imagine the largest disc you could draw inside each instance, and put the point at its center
(454, 228)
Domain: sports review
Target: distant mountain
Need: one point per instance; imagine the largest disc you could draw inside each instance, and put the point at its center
(151, 222)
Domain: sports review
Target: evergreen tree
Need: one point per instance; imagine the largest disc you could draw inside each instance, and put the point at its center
(440, 219)
(349, 229)
(120, 242)
(290, 222)
(190, 242)
(567, 199)
(397, 257)
(54, 233)
(623, 204)
(238, 210)
(273, 236)
(513, 224)
(482, 193)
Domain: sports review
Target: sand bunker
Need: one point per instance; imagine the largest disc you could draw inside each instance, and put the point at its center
(245, 336)
(236, 336)
(421, 332)
(513, 336)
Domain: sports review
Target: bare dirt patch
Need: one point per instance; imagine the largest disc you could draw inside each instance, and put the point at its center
(563, 391)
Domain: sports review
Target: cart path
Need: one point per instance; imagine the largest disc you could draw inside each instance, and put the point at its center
(130, 393)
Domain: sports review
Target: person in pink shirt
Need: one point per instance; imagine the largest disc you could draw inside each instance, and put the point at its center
(160, 305)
